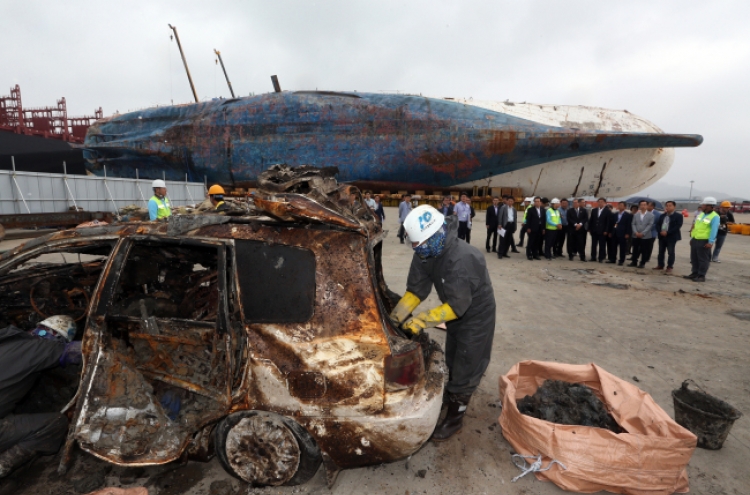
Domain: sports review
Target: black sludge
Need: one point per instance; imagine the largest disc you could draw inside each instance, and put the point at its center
(568, 404)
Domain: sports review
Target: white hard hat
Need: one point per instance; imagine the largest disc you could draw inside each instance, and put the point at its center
(63, 325)
(529, 199)
(158, 183)
(555, 201)
(422, 222)
(709, 200)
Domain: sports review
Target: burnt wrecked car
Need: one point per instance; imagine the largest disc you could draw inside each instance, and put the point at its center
(264, 338)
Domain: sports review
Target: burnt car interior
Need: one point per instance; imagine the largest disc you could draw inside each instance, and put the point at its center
(53, 281)
(163, 314)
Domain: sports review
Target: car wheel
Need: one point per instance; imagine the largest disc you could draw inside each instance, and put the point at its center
(264, 448)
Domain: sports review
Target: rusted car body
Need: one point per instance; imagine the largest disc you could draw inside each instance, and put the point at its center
(266, 338)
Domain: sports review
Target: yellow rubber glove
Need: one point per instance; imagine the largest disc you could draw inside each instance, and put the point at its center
(431, 318)
(405, 306)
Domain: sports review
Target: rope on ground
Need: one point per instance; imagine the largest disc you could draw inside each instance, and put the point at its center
(534, 467)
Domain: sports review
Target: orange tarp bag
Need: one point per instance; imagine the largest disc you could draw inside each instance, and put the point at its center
(649, 458)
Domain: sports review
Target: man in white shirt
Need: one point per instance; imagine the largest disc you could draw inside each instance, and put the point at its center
(370, 202)
(507, 222)
(464, 212)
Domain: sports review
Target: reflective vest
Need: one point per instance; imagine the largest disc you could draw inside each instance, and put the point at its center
(164, 209)
(554, 215)
(526, 211)
(702, 227)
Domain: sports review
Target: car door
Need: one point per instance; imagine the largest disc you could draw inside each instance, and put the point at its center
(157, 350)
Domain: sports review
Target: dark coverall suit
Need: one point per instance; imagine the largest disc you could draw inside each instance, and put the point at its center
(460, 277)
(22, 357)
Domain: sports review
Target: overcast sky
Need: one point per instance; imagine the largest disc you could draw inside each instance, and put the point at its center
(684, 65)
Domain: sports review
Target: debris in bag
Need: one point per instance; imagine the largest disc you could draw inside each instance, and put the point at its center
(649, 456)
(566, 403)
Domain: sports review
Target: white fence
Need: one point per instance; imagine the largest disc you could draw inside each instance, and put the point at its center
(30, 192)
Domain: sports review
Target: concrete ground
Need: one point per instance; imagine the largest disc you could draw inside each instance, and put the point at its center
(655, 331)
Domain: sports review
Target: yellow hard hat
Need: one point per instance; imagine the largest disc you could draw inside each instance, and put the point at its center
(216, 189)
(726, 204)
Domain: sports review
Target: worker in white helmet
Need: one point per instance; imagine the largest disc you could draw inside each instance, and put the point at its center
(552, 227)
(527, 203)
(158, 205)
(23, 355)
(702, 239)
(459, 274)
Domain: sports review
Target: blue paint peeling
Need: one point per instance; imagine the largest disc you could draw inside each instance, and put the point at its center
(374, 139)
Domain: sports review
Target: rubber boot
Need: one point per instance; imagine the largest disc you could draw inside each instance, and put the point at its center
(453, 421)
(13, 458)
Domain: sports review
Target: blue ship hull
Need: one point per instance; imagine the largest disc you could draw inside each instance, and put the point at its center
(378, 141)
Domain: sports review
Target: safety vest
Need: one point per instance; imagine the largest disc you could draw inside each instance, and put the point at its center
(218, 205)
(525, 212)
(555, 215)
(164, 209)
(702, 227)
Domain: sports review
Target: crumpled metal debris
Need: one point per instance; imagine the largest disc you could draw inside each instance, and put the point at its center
(309, 193)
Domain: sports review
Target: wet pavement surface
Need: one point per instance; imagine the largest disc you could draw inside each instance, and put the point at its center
(652, 329)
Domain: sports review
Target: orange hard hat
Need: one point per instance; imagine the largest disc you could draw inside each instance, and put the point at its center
(216, 189)
(726, 204)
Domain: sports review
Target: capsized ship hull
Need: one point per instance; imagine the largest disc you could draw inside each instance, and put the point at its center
(390, 142)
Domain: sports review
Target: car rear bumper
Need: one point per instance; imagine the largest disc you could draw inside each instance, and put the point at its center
(405, 424)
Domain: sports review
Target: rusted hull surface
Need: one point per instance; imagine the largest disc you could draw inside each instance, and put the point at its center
(377, 140)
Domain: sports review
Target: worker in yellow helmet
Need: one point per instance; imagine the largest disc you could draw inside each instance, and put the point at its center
(459, 274)
(216, 196)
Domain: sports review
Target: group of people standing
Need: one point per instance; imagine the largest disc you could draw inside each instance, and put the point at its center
(616, 233)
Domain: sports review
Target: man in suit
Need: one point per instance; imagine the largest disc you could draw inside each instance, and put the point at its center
(598, 223)
(491, 220)
(526, 205)
(543, 236)
(507, 221)
(535, 222)
(668, 228)
(654, 234)
(447, 207)
(562, 234)
(578, 218)
(643, 221)
(622, 225)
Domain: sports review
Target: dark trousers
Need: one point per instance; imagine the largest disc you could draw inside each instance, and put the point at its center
(550, 238)
(401, 233)
(41, 433)
(463, 231)
(619, 244)
(642, 249)
(532, 243)
(666, 246)
(577, 242)
(612, 248)
(492, 233)
(560, 242)
(507, 241)
(523, 233)
(700, 257)
(598, 241)
(467, 354)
